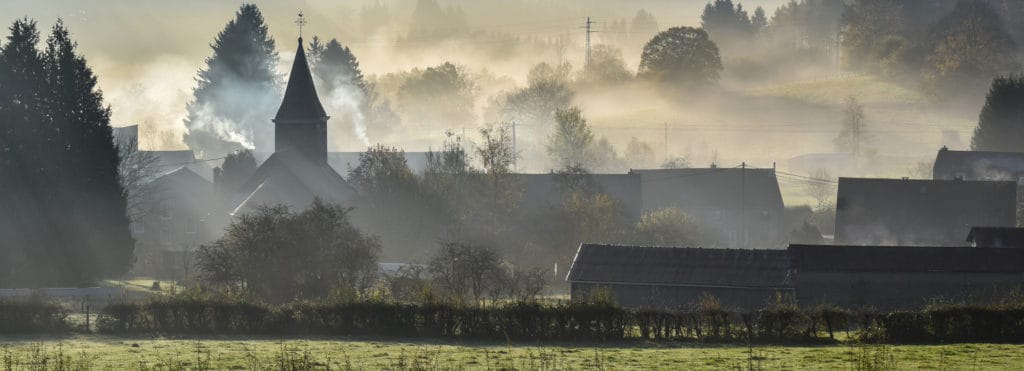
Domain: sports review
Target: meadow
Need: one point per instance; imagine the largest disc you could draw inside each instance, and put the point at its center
(151, 353)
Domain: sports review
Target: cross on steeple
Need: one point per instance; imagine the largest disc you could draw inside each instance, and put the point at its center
(301, 22)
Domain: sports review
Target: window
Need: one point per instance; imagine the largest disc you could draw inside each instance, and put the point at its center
(165, 210)
(138, 228)
(192, 225)
(1020, 181)
(165, 236)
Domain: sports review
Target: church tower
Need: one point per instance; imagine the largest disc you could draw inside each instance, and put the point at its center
(301, 123)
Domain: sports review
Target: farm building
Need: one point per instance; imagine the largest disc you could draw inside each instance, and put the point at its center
(900, 277)
(996, 237)
(920, 212)
(667, 277)
(742, 205)
(978, 165)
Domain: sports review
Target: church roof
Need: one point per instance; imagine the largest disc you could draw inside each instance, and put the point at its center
(286, 178)
(300, 102)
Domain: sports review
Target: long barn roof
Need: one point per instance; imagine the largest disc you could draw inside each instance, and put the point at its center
(669, 266)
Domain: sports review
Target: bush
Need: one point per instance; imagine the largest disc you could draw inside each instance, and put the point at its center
(32, 315)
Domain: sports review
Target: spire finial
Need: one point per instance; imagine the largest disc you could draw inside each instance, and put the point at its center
(301, 22)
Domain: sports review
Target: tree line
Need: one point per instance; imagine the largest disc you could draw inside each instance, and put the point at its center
(64, 216)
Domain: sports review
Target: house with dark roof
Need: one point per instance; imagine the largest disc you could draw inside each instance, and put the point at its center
(298, 171)
(920, 212)
(546, 191)
(175, 220)
(901, 277)
(668, 277)
(978, 165)
(742, 205)
(996, 237)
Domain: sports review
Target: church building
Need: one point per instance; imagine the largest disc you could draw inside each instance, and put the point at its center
(297, 171)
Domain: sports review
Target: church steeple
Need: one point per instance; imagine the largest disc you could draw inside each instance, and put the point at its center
(301, 122)
(300, 103)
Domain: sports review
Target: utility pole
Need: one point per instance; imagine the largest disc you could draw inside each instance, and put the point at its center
(589, 31)
(666, 142)
(743, 204)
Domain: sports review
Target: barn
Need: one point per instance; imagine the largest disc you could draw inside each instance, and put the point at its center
(668, 277)
(901, 277)
(920, 212)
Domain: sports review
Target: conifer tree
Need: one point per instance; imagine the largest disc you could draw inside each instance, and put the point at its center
(1001, 122)
(64, 217)
(238, 91)
(337, 66)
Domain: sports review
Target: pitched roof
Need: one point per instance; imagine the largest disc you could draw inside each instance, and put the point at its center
(300, 103)
(670, 266)
(710, 189)
(290, 179)
(931, 259)
(978, 165)
(920, 212)
(996, 236)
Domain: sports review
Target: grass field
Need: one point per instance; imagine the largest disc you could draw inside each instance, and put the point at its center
(102, 352)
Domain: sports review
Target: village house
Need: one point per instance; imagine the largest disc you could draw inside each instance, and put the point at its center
(176, 219)
(920, 212)
(744, 206)
(668, 277)
(901, 277)
(978, 165)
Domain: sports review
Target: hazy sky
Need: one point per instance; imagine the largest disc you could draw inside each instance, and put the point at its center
(146, 52)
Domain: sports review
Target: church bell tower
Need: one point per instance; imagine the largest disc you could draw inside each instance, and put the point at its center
(301, 123)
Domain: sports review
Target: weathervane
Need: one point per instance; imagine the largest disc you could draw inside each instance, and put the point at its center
(301, 22)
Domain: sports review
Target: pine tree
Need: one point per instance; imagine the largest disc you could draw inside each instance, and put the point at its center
(60, 180)
(94, 203)
(21, 94)
(1001, 122)
(337, 66)
(238, 91)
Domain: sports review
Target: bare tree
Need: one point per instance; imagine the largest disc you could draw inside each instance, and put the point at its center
(136, 169)
(852, 135)
(821, 191)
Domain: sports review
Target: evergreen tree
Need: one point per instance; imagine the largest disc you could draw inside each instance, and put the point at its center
(759, 22)
(232, 174)
(238, 91)
(1001, 122)
(729, 26)
(21, 97)
(337, 66)
(93, 202)
(64, 219)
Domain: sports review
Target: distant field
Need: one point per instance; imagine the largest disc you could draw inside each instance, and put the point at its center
(102, 352)
(869, 90)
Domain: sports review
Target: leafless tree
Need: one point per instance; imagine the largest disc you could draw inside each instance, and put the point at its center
(136, 170)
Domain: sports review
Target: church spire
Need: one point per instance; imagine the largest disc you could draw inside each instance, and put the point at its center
(301, 103)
